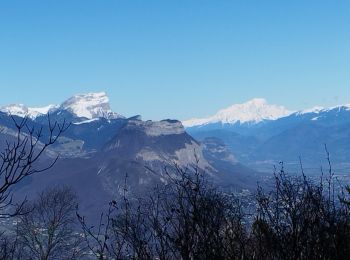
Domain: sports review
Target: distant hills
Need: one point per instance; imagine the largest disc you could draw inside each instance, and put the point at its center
(261, 135)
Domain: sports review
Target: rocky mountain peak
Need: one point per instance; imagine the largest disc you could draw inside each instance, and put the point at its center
(90, 105)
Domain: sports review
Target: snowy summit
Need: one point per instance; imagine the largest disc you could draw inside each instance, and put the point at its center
(22, 111)
(253, 111)
(89, 106)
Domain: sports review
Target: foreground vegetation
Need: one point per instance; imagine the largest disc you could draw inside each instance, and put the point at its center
(189, 219)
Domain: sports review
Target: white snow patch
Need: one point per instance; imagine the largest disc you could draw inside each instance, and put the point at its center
(316, 109)
(42, 110)
(86, 121)
(319, 109)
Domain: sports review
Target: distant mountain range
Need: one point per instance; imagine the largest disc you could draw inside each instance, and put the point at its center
(261, 135)
(258, 134)
(88, 106)
(101, 147)
(252, 112)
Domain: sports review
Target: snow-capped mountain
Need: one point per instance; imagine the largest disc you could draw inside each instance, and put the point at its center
(320, 110)
(22, 111)
(280, 137)
(88, 106)
(253, 111)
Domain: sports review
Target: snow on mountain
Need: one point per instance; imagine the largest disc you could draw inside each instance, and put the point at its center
(316, 109)
(319, 110)
(253, 111)
(15, 109)
(91, 105)
(22, 111)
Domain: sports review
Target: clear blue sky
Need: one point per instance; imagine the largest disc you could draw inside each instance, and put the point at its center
(176, 58)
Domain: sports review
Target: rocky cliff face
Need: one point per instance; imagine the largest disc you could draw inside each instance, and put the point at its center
(157, 142)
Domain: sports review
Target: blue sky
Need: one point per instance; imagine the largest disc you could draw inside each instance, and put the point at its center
(176, 58)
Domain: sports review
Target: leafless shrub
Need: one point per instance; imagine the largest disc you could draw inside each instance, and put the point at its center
(20, 158)
(185, 219)
(301, 219)
(47, 230)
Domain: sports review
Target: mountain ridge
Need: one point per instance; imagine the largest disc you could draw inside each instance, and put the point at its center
(89, 106)
(254, 112)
